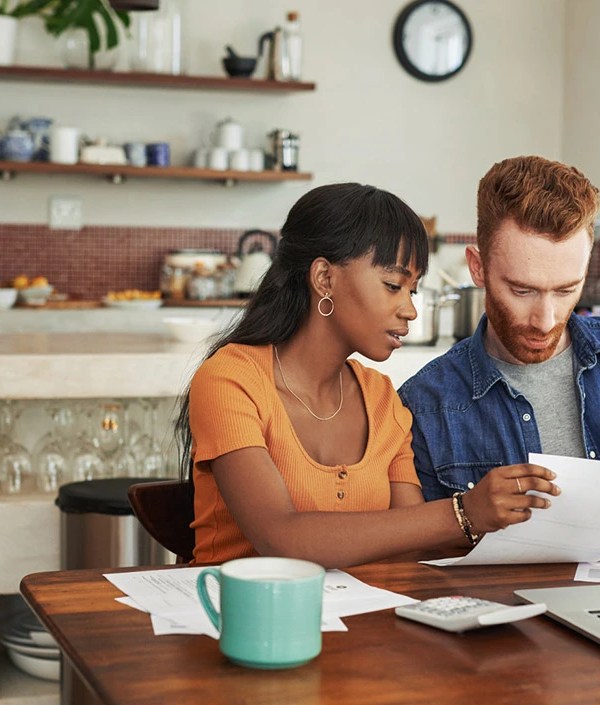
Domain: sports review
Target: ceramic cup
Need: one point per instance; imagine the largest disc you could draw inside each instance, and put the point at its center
(158, 154)
(218, 158)
(239, 160)
(257, 160)
(136, 153)
(64, 145)
(270, 610)
(200, 158)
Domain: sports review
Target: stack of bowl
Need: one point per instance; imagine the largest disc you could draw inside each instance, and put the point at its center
(30, 647)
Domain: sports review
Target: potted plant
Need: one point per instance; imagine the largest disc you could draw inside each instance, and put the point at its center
(60, 16)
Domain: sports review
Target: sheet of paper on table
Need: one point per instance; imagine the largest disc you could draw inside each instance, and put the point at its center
(171, 599)
(567, 532)
(588, 572)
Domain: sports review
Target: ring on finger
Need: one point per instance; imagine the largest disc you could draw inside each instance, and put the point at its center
(520, 490)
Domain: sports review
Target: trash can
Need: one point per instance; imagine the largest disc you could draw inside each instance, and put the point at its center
(99, 530)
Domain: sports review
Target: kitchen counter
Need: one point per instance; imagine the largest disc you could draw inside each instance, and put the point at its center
(108, 352)
(84, 365)
(47, 365)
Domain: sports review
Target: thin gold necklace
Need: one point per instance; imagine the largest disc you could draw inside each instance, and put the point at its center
(304, 404)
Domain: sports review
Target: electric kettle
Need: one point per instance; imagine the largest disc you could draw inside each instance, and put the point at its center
(255, 262)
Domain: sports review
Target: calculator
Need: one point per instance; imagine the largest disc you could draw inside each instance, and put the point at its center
(457, 613)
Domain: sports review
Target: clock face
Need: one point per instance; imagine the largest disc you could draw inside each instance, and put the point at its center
(432, 39)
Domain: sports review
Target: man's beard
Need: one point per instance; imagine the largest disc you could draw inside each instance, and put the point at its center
(513, 337)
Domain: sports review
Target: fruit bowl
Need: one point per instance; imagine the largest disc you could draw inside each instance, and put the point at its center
(35, 295)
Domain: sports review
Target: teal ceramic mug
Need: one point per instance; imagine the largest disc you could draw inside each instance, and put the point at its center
(270, 610)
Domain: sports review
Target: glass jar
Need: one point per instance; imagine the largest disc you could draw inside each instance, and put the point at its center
(179, 265)
(173, 281)
(157, 40)
(201, 285)
(75, 50)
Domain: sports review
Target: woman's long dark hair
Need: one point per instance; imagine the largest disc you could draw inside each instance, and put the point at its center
(339, 222)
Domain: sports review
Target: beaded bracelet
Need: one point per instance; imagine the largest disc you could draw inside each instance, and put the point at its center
(463, 519)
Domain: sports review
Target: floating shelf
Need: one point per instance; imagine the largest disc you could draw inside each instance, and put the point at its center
(149, 80)
(119, 173)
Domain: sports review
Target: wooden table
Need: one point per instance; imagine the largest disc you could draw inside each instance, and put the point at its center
(380, 660)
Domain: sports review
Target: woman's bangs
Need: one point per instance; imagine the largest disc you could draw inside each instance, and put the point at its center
(405, 239)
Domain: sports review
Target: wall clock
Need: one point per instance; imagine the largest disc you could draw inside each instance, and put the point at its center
(432, 39)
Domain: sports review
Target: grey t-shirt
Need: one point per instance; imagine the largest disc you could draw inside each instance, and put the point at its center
(550, 389)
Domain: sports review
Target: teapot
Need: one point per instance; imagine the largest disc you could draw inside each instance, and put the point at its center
(254, 263)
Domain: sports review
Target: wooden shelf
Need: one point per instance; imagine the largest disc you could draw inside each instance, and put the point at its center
(118, 173)
(149, 80)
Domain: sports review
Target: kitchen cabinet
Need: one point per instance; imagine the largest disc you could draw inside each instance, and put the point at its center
(117, 174)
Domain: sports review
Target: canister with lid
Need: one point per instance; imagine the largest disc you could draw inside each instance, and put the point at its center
(180, 264)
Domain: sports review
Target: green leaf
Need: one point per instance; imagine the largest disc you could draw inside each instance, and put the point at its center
(89, 25)
(32, 7)
(60, 15)
(112, 37)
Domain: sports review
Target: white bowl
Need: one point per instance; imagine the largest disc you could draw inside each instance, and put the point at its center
(46, 668)
(132, 303)
(33, 650)
(42, 638)
(35, 295)
(7, 297)
(191, 330)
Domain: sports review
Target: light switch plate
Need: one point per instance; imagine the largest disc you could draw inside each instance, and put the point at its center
(65, 212)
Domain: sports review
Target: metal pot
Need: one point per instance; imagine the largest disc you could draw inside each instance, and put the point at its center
(468, 310)
(424, 330)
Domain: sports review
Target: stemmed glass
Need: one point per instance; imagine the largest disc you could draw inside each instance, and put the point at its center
(111, 433)
(85, 458)
(150, 458)
(53, 449)
(15, 460)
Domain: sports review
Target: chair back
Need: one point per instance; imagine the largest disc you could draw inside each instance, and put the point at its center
(165, 508)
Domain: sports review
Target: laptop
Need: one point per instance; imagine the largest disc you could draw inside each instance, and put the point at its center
(578, 607)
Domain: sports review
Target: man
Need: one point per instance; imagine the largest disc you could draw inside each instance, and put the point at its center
(528, 380)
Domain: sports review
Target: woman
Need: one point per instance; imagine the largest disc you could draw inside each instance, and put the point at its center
(296, 449)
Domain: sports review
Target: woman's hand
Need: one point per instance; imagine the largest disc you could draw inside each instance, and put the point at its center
(499, 499)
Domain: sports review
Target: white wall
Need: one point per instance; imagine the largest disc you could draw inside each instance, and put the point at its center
(582, 98)
(368, 120)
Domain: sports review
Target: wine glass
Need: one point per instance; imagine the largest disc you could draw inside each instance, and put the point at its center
(16, 473)
(86, 460)
(148, 453)
(52, 451)
(112, 436)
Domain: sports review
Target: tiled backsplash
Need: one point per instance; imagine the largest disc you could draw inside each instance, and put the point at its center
(90, 262)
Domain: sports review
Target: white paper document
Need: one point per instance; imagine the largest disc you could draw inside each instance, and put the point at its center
(567, 532)
(171, 599)
(588, 572)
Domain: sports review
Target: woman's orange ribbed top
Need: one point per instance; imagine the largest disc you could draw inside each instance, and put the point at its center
(234, 404)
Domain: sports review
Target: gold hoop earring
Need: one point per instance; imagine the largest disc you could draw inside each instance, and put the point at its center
(325, 298)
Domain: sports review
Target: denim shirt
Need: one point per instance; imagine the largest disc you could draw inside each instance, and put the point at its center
(467, 419)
